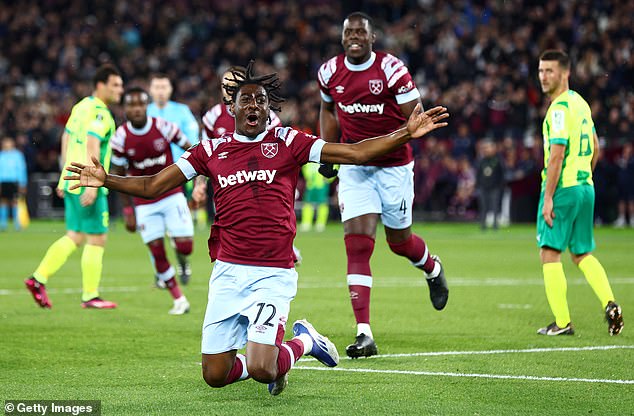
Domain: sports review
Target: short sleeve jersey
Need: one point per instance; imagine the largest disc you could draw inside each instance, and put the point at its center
(568, 122)
(89, 117)
(367, 98)
(219, 120)
(146, 151)
(254, 182)
(181, 115)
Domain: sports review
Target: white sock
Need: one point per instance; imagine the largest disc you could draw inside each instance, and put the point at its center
(307, 341)
(245, 373)
(434, 273)
(364, 329)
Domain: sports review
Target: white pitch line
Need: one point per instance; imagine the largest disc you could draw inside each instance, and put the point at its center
(514, 306)
(517, 351)
(471, 375)
(378, 282)
(454, 282)
(75, 290)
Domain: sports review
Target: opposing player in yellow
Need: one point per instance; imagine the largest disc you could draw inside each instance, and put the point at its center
(316, 195)
(566, 208)
(87, 135)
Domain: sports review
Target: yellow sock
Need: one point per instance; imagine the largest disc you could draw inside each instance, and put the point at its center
(307, 216)
(556, 287)
(55, 257)
(595, 275)
(322, 215)
(91, 266)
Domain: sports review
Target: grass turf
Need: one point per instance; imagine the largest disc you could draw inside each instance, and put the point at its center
(139, 360)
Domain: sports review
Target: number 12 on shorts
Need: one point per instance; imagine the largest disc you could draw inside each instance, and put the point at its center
(266, 306)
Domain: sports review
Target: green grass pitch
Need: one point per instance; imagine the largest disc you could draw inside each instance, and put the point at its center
(480, 356)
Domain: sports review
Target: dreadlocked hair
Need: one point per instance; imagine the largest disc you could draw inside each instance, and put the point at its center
(270, 82)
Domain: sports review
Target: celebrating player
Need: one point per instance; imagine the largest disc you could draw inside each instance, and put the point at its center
(368, 93)
(141, 146)
(254, 172)
(86, 137)
(220, 120)
(566, 207)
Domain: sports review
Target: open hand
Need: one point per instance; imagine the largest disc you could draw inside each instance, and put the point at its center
(88, 176)
(422, 122)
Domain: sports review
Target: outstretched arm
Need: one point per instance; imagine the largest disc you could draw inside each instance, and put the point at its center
(142, 186)
(419, 124)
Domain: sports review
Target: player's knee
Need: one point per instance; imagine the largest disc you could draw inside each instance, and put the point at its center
(359, 247)
(261, 373)
(404, 247)
(214, 377)
(158, 250)
(184, 246)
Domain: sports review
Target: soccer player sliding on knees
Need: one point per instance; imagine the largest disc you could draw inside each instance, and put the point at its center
(254, 173)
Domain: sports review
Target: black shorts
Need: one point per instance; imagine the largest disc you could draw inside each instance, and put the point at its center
(8, 190)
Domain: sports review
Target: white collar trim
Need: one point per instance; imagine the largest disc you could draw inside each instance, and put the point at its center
(143, 130)
(247, 139)
(360, 67)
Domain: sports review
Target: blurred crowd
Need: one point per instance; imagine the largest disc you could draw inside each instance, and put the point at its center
(478, 58)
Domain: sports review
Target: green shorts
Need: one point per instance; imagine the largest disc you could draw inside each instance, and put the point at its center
(90, 220)
(573, 225)
(317, 195)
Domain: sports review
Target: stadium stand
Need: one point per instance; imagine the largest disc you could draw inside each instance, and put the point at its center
(479, 58)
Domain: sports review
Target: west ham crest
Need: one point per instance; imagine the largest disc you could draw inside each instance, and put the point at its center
(376, 86)
(159, 145)
(269, 150)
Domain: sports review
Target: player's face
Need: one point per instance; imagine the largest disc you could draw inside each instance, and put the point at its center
(551, 76)
(160, 90)
(135, 108)
(251, 110)
(113, 89)
(357, 38)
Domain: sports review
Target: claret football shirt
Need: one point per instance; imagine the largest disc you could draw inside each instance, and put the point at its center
(254, 182)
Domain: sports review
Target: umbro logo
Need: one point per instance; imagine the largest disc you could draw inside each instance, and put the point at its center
(339, 89)
(222, 155)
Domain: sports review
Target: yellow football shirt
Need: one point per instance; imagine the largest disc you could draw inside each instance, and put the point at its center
(89, 117)
(569, 122)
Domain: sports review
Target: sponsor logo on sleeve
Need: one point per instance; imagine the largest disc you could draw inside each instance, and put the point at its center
(558, 120)
(405, 88)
